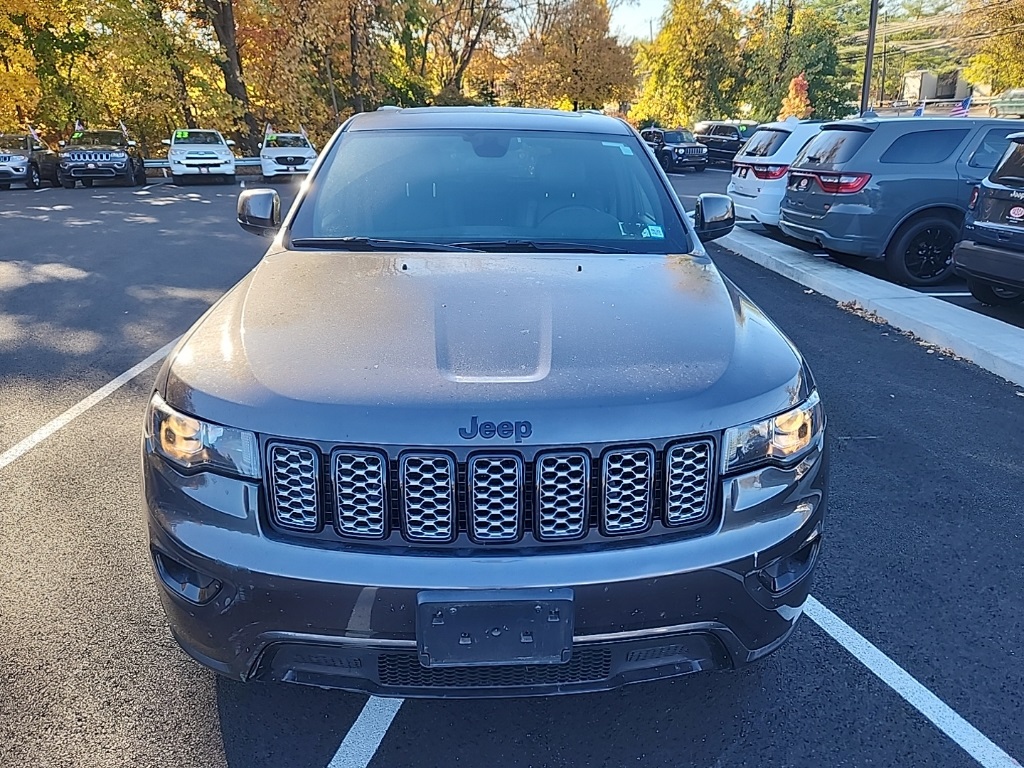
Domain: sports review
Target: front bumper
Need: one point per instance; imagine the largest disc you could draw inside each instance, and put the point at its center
(689, 161)
(345, 617)
(110, 170)
(13, 173)
(990, 264)
(273, 168)
(203, 168)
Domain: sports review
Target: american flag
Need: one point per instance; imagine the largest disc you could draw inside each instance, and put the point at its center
(32, 132)
(79, 126)
(961, 109)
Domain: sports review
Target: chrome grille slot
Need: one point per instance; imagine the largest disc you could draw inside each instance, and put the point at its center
(688, 469)
(563, 488)
(495, 497)
(628, 490)
(360, 493)
(294, 493)
(428, 497)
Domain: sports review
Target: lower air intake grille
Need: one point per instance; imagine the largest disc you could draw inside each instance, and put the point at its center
(405, 670)
(295, 501)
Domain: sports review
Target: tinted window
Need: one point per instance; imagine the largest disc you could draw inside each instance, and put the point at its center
(1011, 170)
(765, 142)
(678, 137)
(727, 131)
(286, 141)
(453, 185)
(993, 147)
(833, 146)
(924, 147)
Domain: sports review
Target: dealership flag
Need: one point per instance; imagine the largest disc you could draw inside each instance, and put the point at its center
(961, 109)
(79, 126)
(124, 128)
(919, 112)
(33, 134)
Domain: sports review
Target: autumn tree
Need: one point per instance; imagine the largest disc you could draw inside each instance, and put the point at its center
(569, 57)
(796, 104)
(994, 38)
(691, 70)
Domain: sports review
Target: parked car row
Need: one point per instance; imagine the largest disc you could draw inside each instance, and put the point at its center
(109, 155)
(896, 189)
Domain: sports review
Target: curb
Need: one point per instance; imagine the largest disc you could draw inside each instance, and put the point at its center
(988, 343)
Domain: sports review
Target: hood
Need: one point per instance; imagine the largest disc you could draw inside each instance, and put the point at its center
(679, 144)
(16, 152)
(405, 349)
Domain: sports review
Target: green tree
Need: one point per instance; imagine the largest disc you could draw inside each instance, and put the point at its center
(994, 33)
(691, 70)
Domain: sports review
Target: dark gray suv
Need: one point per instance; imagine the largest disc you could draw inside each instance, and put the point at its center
(894, 189)
(485, 421)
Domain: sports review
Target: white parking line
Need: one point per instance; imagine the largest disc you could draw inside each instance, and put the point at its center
(949, 294)
(366, 733)
(20, 449)
(970, 739)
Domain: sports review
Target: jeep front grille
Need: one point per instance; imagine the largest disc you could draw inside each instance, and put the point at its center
(563, 484)
(495, 503)
(360, 494)
(628, 490)
(428, 497)
(295, 501)
(688, 474)
(551, 496)
(88, 157)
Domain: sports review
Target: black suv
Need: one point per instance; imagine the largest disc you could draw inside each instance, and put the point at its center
(990, 254)
(26, 160)
(100, 155)
(723, 138)
(676, 149)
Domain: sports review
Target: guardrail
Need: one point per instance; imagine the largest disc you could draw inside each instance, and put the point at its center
(241, 162)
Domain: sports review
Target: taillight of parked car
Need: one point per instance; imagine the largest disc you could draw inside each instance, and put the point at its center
(843, 183)
(770, 172)
(975, 194)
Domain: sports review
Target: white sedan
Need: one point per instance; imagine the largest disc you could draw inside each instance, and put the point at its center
(200, 153)
(286, 154)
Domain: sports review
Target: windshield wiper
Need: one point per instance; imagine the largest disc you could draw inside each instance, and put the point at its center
(373, 244)
(538, 246)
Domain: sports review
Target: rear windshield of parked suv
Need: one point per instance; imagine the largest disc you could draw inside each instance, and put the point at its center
(1011, 170)
(765, 142)
(490, 187)
(833, 146)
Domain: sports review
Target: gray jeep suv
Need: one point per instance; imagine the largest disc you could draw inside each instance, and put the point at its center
(894, 189)
(485, 421)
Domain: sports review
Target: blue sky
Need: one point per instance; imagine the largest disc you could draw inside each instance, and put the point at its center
(633, 20)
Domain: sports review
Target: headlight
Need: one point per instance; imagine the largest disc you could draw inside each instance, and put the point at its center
(194, 444)
(19, 160)
(119, 155)
(703, 150)
(778, 439)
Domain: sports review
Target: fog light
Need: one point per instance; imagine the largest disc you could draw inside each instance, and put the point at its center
(787, 571)
(185, 581)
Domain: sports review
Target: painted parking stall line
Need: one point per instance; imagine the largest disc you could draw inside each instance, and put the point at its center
(367, 732)
(966, 736)
(15, 452)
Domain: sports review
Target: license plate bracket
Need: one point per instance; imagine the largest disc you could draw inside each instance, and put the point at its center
(479, 628)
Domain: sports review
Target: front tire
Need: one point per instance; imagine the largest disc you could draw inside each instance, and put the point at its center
(5, 185)
(67, 183)
(921, 253)
(994, 295)
(177, 180)
(993, 112)
(87, 183)
(700, 168)
(34, 181)
(665, 162)
(229, 179)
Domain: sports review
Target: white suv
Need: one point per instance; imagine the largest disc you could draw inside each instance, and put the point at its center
(286, 154)
(200, 153)
(759, 170)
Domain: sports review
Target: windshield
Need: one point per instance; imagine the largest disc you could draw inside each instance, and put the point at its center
(12, 142)
(97, 139)
(451, 185)
(286, 141)
(679, 137)
(197, 137)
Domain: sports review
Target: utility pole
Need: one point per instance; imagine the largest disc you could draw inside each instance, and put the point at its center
(885, 54)
(865, 90)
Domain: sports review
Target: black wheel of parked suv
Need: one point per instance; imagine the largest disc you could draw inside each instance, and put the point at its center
(665, 162)
(921, 253)
(994, 295)
(34, 180)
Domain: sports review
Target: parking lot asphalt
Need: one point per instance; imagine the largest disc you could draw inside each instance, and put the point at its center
(923, 548)
(716, 179)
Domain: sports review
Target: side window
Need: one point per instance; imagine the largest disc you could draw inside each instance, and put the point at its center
(992, 147)
(700, 130)
(924, 147)
(727, 132)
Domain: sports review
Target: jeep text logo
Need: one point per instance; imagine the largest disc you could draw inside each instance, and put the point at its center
(488, 429)
(1017, 195)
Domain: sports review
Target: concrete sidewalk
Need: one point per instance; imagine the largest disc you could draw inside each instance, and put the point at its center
(988, 343)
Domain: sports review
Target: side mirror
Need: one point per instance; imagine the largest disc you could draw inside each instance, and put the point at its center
(714, 217)
(133, 143)
(62, 143)
(165, 142)
(230, 142)
(259, 211)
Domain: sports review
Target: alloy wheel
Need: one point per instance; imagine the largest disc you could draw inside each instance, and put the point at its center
(929, 253)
